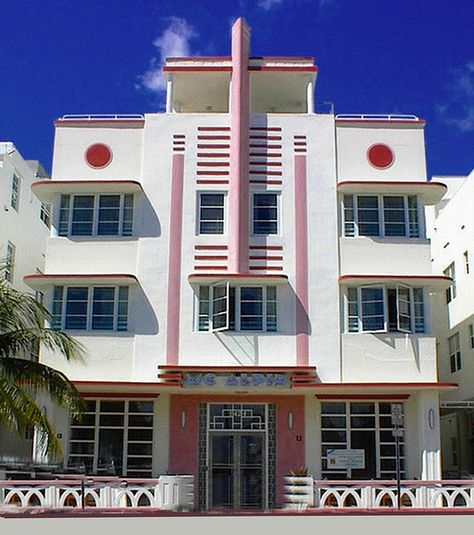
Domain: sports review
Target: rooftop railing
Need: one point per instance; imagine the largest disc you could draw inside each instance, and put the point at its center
(102, 117)
(377, 117)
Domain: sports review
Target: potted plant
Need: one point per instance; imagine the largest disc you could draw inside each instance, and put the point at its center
(299, 488)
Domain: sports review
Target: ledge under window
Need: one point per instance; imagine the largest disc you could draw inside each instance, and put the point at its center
(429, 192)
(238, 278)
(46, 190)
(40, 281)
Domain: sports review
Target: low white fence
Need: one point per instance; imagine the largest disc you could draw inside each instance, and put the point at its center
(172, 493)
(380, 494)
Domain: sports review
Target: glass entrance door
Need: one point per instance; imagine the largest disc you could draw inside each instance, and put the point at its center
(237, 470)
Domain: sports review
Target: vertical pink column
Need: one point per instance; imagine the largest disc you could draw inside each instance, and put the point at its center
(239, 150)
(301, 244)
(174, 264)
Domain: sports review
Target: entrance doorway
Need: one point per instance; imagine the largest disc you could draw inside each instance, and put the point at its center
(237, 456)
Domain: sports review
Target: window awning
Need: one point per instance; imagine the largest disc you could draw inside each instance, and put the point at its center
(40, 281)
(430, 192)
(433, 282)
(46, 190)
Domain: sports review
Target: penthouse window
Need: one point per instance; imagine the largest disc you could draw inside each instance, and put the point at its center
(96, 215)
(384, 216)
(381, 309)
(98, 308)
(241, 308)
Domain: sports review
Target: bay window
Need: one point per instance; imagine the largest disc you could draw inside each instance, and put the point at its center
(384, 216)
(96, 215)
(385, 309)
(222, 307)
(98, 308)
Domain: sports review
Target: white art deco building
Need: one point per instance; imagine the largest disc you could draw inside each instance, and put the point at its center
(252, 281)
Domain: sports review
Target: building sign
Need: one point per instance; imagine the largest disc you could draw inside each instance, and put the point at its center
(396, 413)
(346, 459)
(236, 380)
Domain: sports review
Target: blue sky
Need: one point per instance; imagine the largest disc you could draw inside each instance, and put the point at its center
(374, 56)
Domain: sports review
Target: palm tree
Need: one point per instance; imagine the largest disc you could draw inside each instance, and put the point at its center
(22, 326)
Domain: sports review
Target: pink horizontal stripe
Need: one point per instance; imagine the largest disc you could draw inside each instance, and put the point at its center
(269, 138)
(190, 68)
(264, 146)
(210, 267)
(263, 182)
(266, 268)
(210, 182)
(212, 146)
(419, 122)
(270, 173)
(283, 69)
(231, 276)
(267, 247)
(387, 183)
(266, 129)
(42, 276)
(265, 257)
(213, 164)
(213, 173)
(266, 164)
(211, 247)
(213, 155)
(209, 257)
(213, 128)
(266, 154)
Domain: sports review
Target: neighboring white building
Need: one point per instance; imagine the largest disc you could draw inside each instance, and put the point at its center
(252, 281)
(452, 239)
(24, 227)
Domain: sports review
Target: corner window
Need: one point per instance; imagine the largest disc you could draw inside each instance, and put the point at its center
(265, 214)
(450, 271)
(211, 213)
(454, 353)
(15, 193)
(96, 215)
(100, 308)
(385, 309)
(222, 307)
(384, 216)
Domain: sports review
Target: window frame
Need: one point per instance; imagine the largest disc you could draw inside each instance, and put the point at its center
(277, 194)
(350, 228)
(9, 262)
(235, 325)
(15, 192)
(68, 220)
(414, 318)
(224, 213)
(60, 302)
(454, 351)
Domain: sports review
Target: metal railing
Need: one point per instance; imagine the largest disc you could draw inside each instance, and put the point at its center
(377, 117)
(102, 117)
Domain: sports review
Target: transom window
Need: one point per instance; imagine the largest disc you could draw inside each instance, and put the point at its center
(361, 425)
(211, 213)
(381, 309)
(222, 307)
(114, 437)
(455, 360)
(98, 308)
(381, 216)
(96, 215)
(265, 213)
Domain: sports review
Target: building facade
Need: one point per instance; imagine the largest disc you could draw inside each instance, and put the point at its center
(451, 226)
(252, 281)
(24, 228)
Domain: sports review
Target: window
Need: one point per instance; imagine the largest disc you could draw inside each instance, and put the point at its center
(454, 353)
(265, 213)
(381, 309)
(96, 215)
(9, 262)
(466, 261)
(45, 214)
(114, 438)
(100, 308)
(241, 308)
(381, 216)
(471, 335)
(450, 271)
(360, 425)
(211, 213)
(15, 195)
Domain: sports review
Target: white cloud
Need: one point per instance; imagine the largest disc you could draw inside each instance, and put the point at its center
(269, 4)
(173, 41)
(458, 108)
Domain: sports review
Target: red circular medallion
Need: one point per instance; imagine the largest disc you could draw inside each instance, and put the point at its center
(380, 156)
(98, 155)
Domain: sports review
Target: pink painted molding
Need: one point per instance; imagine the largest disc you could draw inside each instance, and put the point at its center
(174, 266)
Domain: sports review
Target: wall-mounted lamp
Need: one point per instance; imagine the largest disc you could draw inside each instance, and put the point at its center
(183, 418)
(290, 420)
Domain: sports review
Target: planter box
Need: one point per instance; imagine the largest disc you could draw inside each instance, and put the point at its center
(299, 492)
